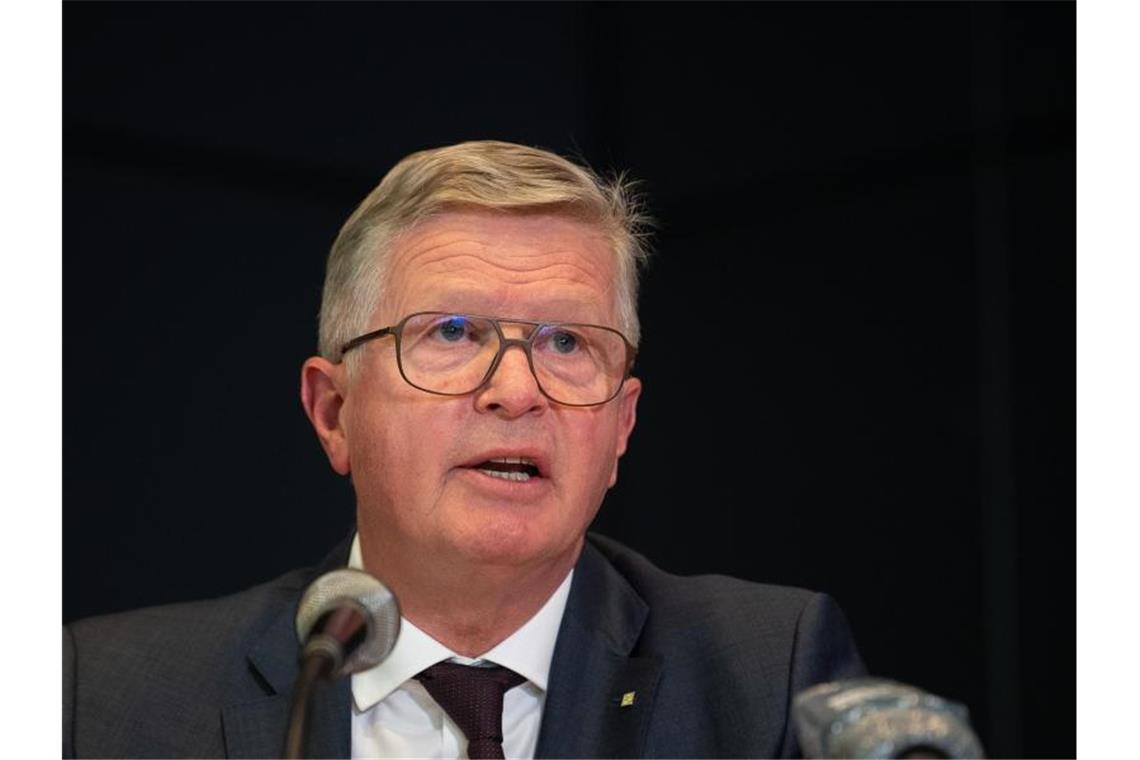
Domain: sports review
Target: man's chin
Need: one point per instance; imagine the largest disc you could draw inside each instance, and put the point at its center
(515, 546)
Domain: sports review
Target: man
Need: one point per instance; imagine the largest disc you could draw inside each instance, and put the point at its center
(478, 329)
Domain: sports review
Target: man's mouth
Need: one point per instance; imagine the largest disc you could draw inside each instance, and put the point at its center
(519, 469)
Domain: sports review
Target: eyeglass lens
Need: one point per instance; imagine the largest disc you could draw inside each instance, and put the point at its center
(451, 353)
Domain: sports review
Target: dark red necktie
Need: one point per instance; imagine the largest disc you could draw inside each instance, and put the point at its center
(473, 697)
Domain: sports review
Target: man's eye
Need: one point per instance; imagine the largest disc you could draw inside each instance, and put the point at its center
(453, 329)
(564, 342)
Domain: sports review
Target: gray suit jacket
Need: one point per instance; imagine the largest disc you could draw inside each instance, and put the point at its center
(712, 663)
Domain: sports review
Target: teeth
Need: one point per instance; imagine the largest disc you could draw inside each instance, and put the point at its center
(513, 460)
(519, 476)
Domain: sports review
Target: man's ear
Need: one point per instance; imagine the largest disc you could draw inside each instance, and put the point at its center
(627, 418)
(323, 388)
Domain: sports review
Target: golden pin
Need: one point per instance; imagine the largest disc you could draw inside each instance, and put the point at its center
(627, 698)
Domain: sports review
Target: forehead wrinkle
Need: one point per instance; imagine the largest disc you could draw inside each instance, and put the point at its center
(465, 262)
(427, 244)
(554, 299)
(522, 268)
(558, 300)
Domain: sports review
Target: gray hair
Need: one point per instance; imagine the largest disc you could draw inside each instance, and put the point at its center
(486, 174)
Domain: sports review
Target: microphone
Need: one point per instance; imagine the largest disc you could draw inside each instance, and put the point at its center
(347, 621)
(877, 718)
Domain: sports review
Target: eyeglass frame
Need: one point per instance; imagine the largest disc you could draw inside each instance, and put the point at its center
(525, 344)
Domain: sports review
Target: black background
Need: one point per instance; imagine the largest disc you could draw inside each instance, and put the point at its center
(858, 328)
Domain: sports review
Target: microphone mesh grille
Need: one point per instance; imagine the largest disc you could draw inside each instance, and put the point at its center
(367, 594)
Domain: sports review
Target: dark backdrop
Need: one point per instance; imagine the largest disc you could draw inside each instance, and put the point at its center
(859, 333)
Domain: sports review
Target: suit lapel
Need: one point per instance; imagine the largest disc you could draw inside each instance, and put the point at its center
(600, 697)
(256, 728)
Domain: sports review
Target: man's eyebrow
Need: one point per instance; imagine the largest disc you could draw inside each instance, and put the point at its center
(548, 311)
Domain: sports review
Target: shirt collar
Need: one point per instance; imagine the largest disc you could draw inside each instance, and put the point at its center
(528, 651)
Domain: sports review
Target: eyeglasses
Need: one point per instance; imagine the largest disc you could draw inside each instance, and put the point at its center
(456, 354)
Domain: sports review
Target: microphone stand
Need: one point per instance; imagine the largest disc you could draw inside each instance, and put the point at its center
(341, 631)
(315, 667)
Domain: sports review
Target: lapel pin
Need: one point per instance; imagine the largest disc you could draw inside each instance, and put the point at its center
(627, 698)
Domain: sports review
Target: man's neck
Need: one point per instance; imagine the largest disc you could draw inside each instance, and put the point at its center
(468, 607)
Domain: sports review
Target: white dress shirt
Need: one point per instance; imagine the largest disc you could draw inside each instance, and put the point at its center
(394, 716)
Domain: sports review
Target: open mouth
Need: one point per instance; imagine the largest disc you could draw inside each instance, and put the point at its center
(519, 469)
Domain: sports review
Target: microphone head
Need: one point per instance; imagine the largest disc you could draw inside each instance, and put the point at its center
(877, 718)
(368, 596)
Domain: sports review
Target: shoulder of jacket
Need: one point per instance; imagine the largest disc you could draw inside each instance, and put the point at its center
(221, 620)
(659, 586)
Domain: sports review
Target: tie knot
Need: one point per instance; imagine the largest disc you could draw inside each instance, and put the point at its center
(473, 697)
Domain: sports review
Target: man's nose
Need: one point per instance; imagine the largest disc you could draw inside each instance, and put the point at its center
(512, 390)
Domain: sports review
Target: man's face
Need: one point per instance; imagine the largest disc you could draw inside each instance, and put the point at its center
(414, 456)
